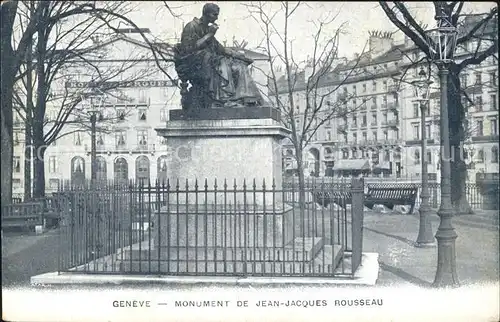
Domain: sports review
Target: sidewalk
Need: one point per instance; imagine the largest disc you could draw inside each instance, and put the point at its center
(393, 237)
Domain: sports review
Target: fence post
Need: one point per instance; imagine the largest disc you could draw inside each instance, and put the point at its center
(357, 208)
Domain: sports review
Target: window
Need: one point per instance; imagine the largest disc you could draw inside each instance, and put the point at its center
(77, 139)
(416, 108)
(328, 135)
(100, 140)
(493, 127)
(364, 88)
(479, 127)
(16, 138)
(163, 141)
(493, 102)
(363, 123)
(54, 184)
(354, 103)
(142, 170)
(354, 120)
(52, 164)
(493, 78)
(354, 153)
(477, 76)
(101, 171)
(365, 136)
(464, 80)
(374, 118)
(345, 154)
(374, 86)
(429, 157)
(163, 115)
(478, 103)
(354, 89)
(417, 156)
(121, 171)
(374, 102)
(416, 131)
(384, 84)
(17, 164)
(387, 156)
(120, 114)
(354, 137)
(386, 135)
(142, 137)
(494, 154)
(345, 138)
(480, 156)
(77, 171)
(384, 115)
(162, 169)
(374, 135)
(428, 133)
(142, 115)
(120, 139)
(142, 96)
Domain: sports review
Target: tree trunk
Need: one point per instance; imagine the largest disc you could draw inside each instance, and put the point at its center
(39, 143)
(8, 71)
(456, 116)
(302, 190)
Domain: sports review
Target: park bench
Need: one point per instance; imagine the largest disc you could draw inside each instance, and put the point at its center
(325, 198)
(390, 196)
(23, 215)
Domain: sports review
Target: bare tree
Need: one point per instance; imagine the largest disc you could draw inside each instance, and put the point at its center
(44, 16)
(479, 30)
(318, 80)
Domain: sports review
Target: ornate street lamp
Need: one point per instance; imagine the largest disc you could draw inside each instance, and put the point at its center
(442, 43)
(421, 88)
(95, 102)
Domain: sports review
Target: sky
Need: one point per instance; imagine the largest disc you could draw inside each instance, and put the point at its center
(235, 21)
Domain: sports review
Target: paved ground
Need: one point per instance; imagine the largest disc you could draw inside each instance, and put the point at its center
(393, 237)
(390, 235)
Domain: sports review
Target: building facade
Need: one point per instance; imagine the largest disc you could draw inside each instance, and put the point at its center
(134, 100)
(382, 125)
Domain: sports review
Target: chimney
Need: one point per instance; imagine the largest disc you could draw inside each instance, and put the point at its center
(380, 42)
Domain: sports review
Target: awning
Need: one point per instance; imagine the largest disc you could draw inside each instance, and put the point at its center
(382, 166)
(358, 164)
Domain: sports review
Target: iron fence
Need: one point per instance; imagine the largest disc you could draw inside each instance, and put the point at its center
(219, 229)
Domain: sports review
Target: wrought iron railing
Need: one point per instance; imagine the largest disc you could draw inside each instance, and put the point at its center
(221, 228)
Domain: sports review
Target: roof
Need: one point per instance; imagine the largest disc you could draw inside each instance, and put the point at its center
(357, 164)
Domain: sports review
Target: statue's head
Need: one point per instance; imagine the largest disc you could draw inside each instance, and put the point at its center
(211, 12)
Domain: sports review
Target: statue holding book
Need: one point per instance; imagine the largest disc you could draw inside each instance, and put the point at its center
(211, 75)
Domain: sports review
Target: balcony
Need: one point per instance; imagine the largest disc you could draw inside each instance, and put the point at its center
(393, 123)
(342, 128)
(476, 88)
(393, 106)
(342, 97)
(393, 89)
(144, 148)
(485, 138)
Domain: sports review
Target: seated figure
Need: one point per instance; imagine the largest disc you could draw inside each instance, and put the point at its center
(219, 77)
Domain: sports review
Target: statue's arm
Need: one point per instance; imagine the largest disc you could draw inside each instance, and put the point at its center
(191, 40)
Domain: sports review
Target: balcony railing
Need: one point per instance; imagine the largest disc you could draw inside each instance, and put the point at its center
(393, 106)
(393, 123)
(392, 88)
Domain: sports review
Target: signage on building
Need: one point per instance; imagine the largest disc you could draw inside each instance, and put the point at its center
(121, 84)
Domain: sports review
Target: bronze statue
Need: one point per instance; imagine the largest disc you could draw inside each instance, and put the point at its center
(219, 76)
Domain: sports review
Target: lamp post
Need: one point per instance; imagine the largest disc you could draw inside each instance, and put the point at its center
(96, 100)
(425, 238)
(443, 46)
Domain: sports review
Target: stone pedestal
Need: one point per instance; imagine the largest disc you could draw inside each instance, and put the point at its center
(226, 152)
(225, 209)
